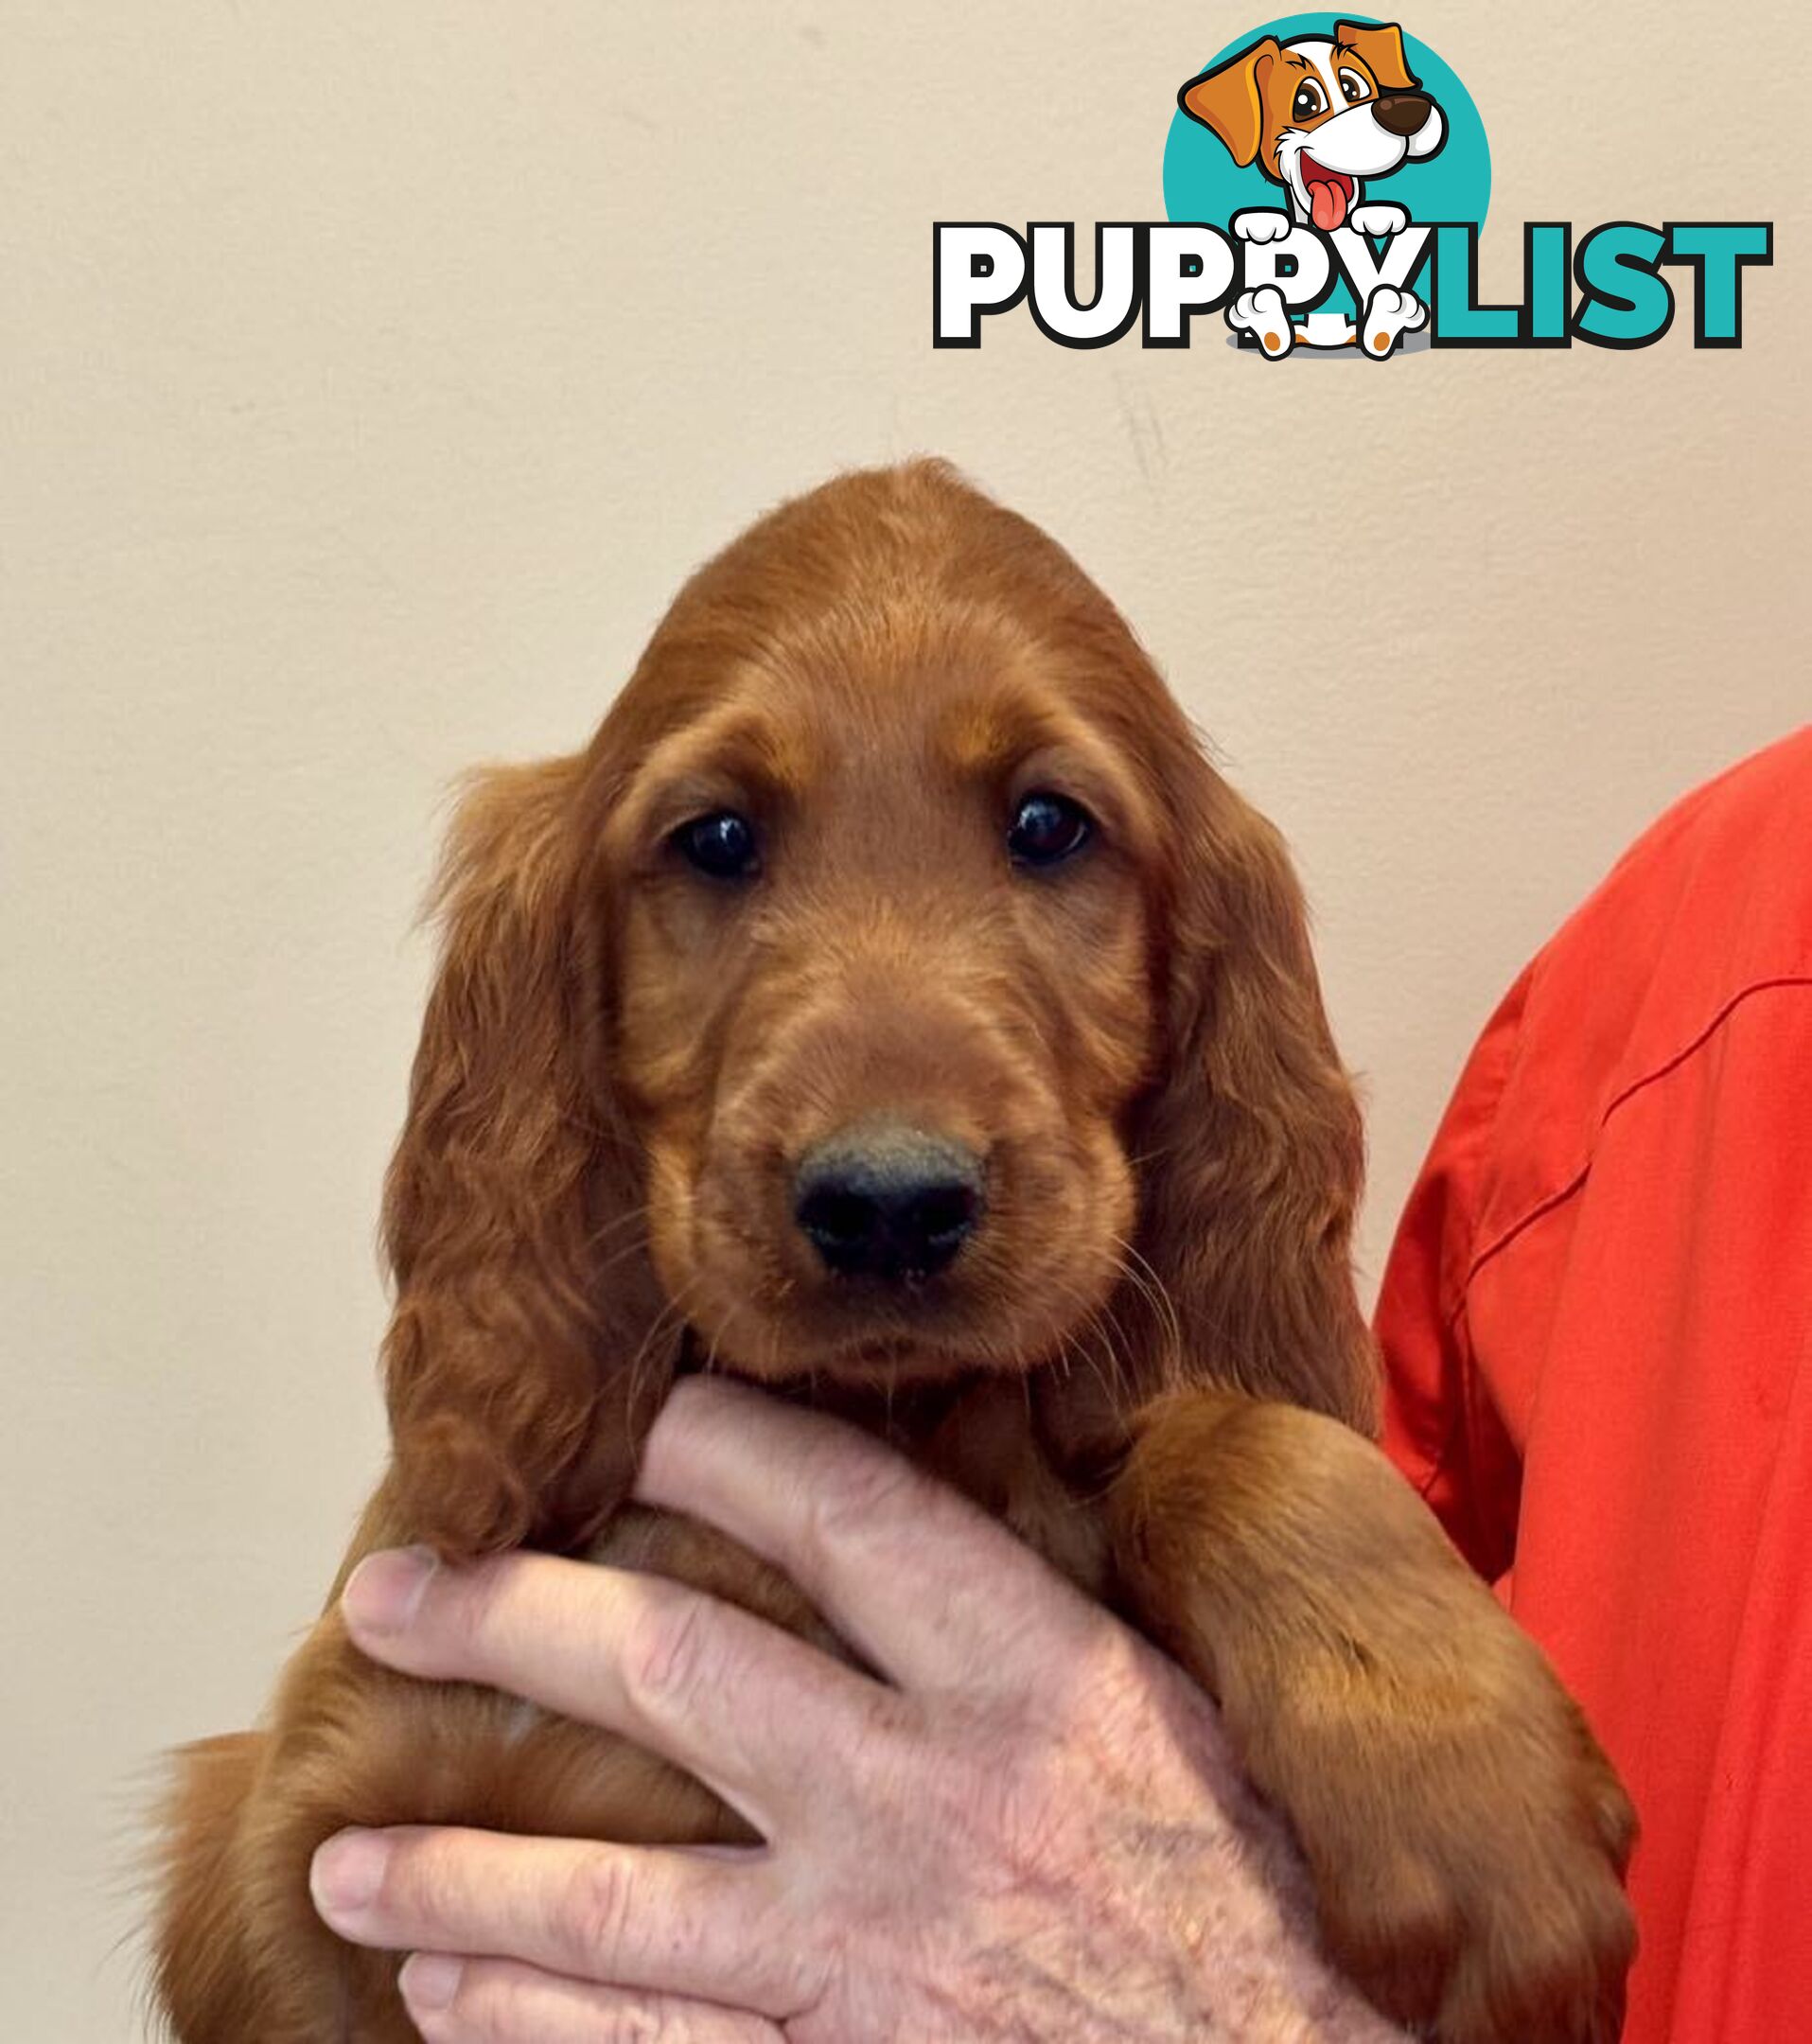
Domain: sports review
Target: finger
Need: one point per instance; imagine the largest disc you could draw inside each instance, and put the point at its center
(747, 1708)
(498, 2001)
(925, 1585)
(660, 1920)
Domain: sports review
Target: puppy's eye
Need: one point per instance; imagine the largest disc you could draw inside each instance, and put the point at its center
(1046, 828)
(1310, 100)
(1353, 88)
(722, 844)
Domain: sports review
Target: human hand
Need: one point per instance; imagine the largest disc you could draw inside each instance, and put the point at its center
(1026, 1824)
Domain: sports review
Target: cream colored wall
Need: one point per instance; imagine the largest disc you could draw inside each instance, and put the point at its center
(372, 373)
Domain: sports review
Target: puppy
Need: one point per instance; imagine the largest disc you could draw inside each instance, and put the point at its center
(1319, 117)
(893, 1006)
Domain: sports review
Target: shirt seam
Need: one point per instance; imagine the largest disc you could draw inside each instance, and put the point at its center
(1562, 1194)
(1550, 1202)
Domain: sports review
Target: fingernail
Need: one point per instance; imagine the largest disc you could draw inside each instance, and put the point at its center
(346, 1874)
(384, 1592)
(429, 1981)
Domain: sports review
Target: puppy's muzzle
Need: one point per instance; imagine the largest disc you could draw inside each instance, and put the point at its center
(1404, 114)
(887, 1202)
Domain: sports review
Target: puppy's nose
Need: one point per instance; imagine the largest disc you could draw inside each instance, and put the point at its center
(887, 1201)
(1404, 114)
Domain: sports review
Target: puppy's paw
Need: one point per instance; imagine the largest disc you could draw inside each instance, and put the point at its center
(1390, 314)
(1464, 1836)
(1377, 218)
(1484, 1902)
(1263, 314)
(1262, 223)
(1469, 1871)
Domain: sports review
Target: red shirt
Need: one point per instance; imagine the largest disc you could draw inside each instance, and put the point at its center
(1597, 1325)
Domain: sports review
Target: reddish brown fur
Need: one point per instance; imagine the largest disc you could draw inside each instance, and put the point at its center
(1151, 1360)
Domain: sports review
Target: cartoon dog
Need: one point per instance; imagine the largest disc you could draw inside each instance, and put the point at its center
(1319, 115)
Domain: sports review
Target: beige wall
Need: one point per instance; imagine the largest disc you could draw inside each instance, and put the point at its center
(371, 375)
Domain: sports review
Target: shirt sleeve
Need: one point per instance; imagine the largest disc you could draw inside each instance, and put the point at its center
(1596, 1326)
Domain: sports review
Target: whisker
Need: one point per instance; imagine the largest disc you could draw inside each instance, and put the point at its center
(671, 1315)
(619, 1222)
(1108, 1377)
(619, 1256)
(1137, 1270)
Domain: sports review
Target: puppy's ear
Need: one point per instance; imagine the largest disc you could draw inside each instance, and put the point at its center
(1253, 1139)
(1230, 99)
(516, 1369)
(1380, 50)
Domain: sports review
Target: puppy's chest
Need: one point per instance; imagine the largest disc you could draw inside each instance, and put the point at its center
(984, 1444)
(990, 1447)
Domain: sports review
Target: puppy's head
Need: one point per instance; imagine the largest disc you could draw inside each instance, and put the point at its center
(890, 991)
(1320, 113)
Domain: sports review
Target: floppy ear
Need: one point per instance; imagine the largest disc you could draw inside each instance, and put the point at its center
(512, 1212)
(1381, 49)
(1230, 99)
(1253, 1143)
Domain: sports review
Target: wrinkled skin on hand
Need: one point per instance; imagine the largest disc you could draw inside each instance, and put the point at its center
(1033, 1829)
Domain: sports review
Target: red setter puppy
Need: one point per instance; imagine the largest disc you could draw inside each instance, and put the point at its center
(890, 1002)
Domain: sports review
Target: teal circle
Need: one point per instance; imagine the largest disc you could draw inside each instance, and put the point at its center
(1202, 183)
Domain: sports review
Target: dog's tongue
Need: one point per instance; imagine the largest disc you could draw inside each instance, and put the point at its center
(1326, 203)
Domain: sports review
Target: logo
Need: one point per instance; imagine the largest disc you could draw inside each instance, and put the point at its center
(1325, 182)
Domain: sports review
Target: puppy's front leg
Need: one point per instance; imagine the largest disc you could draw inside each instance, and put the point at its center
(1464, 1831)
